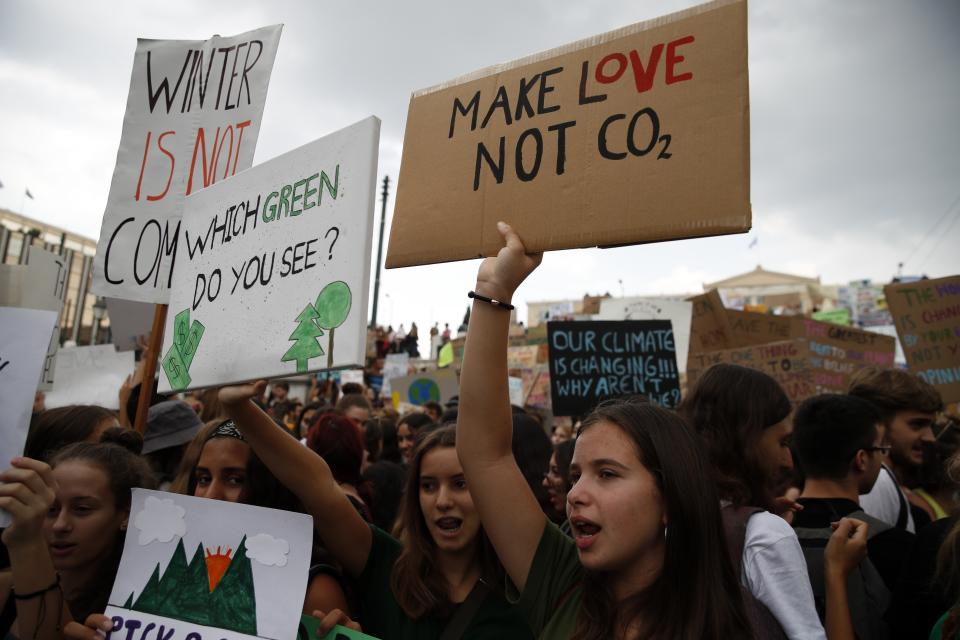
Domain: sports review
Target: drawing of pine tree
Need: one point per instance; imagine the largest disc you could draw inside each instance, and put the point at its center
(305, 335)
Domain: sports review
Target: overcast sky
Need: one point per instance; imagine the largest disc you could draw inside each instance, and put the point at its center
(855, 141)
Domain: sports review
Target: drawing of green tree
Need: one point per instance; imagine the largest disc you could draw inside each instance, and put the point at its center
(333, 306)
(305, 335)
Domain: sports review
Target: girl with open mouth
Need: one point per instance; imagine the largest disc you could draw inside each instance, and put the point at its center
(649, 557)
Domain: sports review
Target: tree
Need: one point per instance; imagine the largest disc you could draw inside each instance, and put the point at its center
(305, 335)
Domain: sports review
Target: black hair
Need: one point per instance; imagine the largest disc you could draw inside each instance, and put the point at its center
(829, 429)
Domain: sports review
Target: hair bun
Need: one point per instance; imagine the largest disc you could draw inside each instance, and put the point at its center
(126, 438)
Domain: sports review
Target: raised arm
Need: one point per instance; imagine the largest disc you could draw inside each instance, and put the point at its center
(27, 491)
(344, 532)
(510, 513)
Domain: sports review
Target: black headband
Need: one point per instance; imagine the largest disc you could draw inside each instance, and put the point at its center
(227, 429)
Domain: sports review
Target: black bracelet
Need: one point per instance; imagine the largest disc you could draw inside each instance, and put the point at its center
(34, 594)
(496, 303)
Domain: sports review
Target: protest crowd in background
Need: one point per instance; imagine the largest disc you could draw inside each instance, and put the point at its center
(728, 503)
(277, 464)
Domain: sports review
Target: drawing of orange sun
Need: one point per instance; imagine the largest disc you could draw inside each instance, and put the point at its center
(217, 564)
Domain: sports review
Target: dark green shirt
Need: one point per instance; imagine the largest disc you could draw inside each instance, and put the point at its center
(551, 599)
(382, 616)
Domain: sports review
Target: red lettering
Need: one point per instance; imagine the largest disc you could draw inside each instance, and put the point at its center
(173, 163)
(621, 61)
(644, 78)
(673, 60)
(143, 164)
(240, 127)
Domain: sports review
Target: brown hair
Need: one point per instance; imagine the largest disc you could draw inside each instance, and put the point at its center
(730, 407)
(417, 584)
(894, 390)
(53, 429)
(116, 455)
(697, 594)
(948, 558)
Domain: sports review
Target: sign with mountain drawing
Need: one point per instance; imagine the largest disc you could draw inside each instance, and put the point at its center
(195, 569)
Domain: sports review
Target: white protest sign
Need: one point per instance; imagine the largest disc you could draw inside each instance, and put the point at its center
(49, 273)
(24, 335)
(354, 376)
(39, 284)
(395, 365)
(678, 312)
(211, 569)
(129, 321)
(193, 116)
(89, 375)
(281, 288)
(515, 385)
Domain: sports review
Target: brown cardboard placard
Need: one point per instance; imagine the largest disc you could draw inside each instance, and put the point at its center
(927, 316)
(788, 362)
(709, 324)
(803, 366)
(544, 143)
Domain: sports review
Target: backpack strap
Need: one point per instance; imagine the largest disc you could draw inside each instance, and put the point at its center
(466, 612)
(904, 514)
(735, 529)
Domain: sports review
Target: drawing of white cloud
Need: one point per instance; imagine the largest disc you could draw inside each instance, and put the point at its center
(161, 520)
(268, 550)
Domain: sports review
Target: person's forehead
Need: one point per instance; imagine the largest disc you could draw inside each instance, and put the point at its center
(921, 418)
(224, 452)
(441, 462)
(604, 441)
(76, 478)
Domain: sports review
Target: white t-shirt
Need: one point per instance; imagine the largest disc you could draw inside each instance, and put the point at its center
(884, 500)
(775, 572)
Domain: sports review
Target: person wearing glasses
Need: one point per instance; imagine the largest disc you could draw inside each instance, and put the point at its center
(840, 446)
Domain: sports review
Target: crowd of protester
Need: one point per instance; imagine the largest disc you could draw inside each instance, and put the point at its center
(739, 515)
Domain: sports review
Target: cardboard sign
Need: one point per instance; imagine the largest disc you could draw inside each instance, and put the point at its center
(193, 116)
(803, 366)
(593, 361)
(709, 324)
(927, 316)
(420, 388)
(523, 356)
(23, 347)
(788, 362)
(210, 569)
(678, 312)
(89, 375)
(273, 277)
(636, 135)
(750, 329)
(537, 381)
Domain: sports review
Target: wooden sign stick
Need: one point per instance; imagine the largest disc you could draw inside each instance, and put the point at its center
(150, 366)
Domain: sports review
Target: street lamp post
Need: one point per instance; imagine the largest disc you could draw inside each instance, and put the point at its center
(383, 222)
